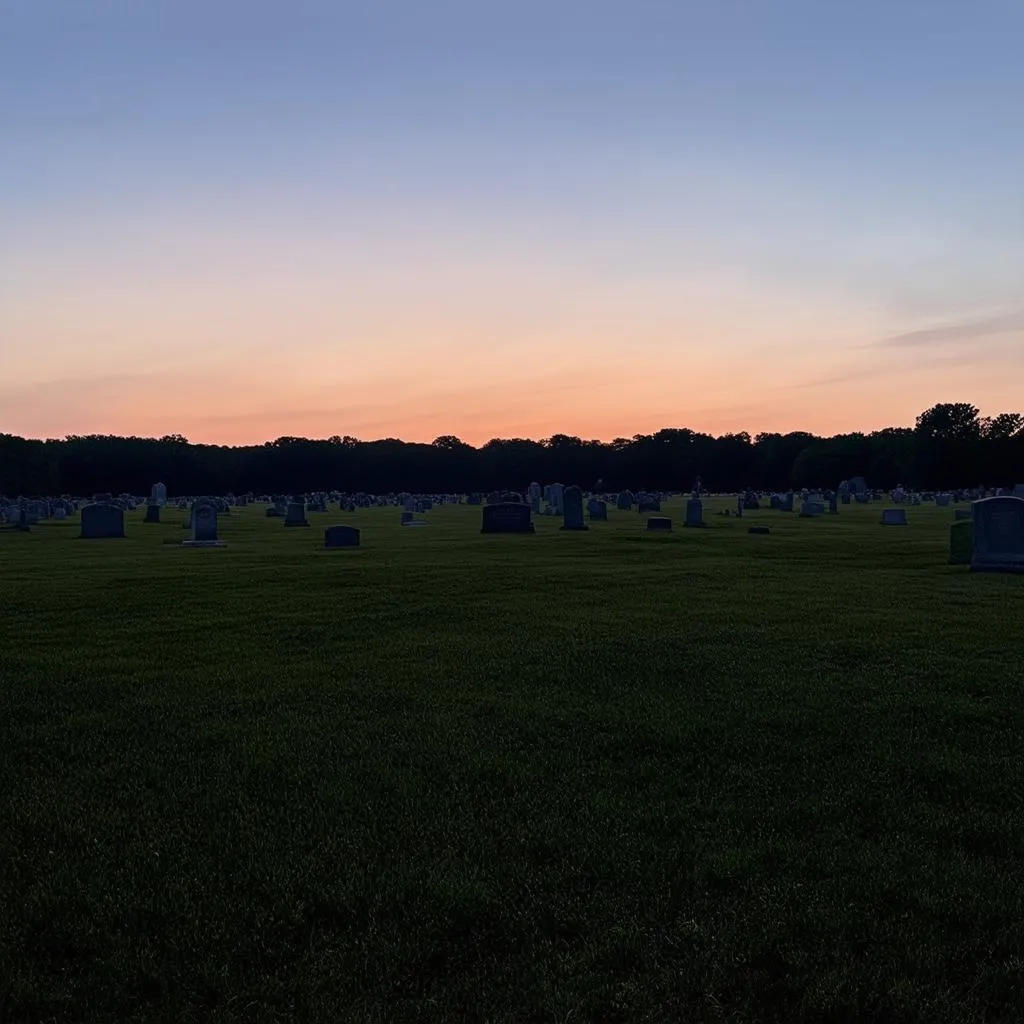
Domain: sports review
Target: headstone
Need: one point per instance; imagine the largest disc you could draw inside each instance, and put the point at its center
(998, 535)
(507, 517)
(894, 517)
(152, 513)
(694, 513)
(624, 501)
(204, 526)
(158, 494)
(60, 514)
(810, 509)
(961, 543)
(341, 537)
(661, 524)
(535, 496)
(597, 510)
(833, 504)
(572, 509)
(845, 497)
(296, 514)
(101, 521)
(776, 502)
(558, 498)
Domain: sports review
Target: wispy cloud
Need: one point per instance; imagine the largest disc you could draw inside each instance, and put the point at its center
(956, 333)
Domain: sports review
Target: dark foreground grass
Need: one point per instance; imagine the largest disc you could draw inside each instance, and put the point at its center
(567, 777)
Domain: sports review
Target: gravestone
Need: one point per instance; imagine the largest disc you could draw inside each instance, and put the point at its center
(535, 496)
(204, 526)
(60, 514)
(341, 537)
(296, 514)
(102, 521)
(597, 510)
(572, 509)
(624, 501)
(894, 517)
(961, 543)
(998, 535)
(833, 504)
(845, 497)
(507, 517)
(661, 524)
(152, 513)
(647, 503)
(694, 513)
(558, 498)
(811, 509)
(158, 494)
(942, 500)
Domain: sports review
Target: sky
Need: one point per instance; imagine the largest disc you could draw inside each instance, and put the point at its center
(507, 218)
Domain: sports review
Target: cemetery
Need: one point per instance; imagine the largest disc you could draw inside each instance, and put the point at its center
(786, 740)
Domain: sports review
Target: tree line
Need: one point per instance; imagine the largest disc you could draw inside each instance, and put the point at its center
(951, 445)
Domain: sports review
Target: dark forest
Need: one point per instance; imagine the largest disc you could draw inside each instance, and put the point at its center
(951, 445)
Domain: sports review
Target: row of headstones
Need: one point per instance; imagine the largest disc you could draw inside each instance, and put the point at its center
(516, 516)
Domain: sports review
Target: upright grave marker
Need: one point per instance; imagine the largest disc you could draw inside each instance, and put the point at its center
(341, 537)
(694, 513)
(507, 517)
(998, 535)
(102, 521)
(572, 509)
(296, 515)
(204, 526)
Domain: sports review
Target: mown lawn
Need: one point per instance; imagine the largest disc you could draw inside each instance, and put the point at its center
(565, 777)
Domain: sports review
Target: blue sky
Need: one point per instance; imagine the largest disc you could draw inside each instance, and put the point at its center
(237, 220)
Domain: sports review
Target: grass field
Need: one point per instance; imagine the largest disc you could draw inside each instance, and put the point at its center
(567, 777)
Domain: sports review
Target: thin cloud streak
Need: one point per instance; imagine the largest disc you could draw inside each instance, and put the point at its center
(952, 334)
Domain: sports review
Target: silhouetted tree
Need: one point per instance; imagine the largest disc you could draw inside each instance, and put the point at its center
(950, 445)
